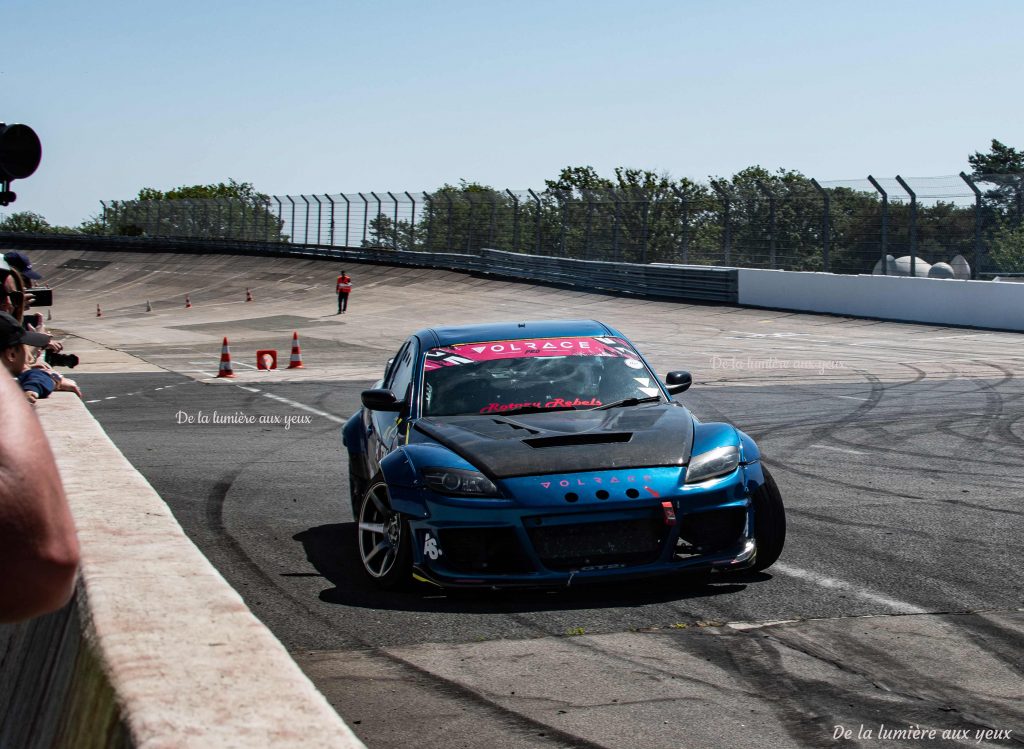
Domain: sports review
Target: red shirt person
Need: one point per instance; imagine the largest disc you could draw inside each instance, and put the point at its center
(343, 288)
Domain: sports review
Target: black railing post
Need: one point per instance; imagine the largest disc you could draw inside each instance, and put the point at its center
(515, 220)
(469, 228)
(913, 225)
(331, 233)
(319, 217)
(885, 224)
(826, 222)
(366, 215)
(536, 248)
(291, 233)
(305, 232)
(394, 229)
(348, 217)
(412, 222)
(431, 208)
(379, 214)
(977, 224)
(280, 219)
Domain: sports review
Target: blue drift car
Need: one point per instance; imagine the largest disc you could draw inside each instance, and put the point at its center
(548, 454)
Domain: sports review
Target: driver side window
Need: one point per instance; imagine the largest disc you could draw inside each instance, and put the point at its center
(400, 377)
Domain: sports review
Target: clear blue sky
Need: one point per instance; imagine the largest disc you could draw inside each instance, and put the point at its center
(399, 95)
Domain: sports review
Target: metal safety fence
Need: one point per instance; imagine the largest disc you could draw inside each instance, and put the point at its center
(784, 221)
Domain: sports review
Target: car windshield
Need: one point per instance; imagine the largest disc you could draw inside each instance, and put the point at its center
(533, 375)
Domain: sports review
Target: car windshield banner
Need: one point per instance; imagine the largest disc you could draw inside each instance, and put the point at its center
(469, 353)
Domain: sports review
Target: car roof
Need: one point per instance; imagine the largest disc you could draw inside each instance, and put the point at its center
(513, 331)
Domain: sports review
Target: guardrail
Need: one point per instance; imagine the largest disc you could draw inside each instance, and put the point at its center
(679, 282)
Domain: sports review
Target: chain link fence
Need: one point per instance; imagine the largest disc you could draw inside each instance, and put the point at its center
(785, 222)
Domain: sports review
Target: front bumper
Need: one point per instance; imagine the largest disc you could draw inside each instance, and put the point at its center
(579, 528)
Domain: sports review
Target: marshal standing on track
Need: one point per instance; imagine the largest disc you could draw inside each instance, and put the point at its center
(344, 288)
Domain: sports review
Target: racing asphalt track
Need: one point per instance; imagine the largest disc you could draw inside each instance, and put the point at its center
(897, 447)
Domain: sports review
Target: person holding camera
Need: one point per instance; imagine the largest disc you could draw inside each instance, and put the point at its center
(40, 297)
(12, 290)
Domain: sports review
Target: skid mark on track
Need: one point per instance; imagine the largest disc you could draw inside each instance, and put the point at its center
(832, 583)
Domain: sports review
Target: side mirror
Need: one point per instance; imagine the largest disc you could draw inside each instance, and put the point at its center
(381, 399)
(678, 381)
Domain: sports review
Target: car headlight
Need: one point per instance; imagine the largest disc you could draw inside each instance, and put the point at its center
(459, 482)
(713, 463)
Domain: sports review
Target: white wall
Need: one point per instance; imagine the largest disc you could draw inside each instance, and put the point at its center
(982, 304)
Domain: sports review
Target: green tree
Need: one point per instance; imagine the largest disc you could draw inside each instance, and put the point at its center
(464, 218)
(1006, 249)
(1002, 167)
(26, 222)
(231, 210)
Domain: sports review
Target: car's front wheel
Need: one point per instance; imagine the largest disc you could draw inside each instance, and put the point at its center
(383, 537)
(769, 523)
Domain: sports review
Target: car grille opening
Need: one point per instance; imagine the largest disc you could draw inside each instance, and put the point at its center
(625, 542)
(483, 551)
(711, 532)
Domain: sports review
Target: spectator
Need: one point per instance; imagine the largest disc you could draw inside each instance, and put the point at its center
(17, 355)
(23, 265)
(38, 545)
(12, 297)
(344, 288)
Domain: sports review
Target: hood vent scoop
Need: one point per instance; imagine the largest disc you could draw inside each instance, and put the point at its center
(573, 440)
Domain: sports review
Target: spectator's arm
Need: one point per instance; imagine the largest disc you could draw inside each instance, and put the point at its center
(38, 545)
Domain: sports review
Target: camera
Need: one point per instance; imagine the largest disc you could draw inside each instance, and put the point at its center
(41, 296)
(55, 359)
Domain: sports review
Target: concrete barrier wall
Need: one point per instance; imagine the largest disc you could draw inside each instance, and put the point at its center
(981, 304)
(156, 649)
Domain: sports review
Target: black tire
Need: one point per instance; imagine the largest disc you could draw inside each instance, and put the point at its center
(769, 523)
(383, 538)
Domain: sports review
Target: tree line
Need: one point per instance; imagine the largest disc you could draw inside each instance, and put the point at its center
(755, 218)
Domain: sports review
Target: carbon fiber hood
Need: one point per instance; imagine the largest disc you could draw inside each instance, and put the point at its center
(656, 434)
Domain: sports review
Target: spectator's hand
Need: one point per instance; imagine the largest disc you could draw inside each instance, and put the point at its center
(69, 385)
(29, 298)
(30, 397)
(55, 346)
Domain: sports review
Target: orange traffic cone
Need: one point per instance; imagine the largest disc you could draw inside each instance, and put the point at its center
(296, 359)
(188, 302)
(248, 295)
(99, 312)
(225, 360)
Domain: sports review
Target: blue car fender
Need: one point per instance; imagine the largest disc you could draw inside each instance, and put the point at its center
(750, 459)
(401, 471)
(707, 436)
(352, 435)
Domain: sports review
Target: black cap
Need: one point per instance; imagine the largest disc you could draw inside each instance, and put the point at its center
(12, 333)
